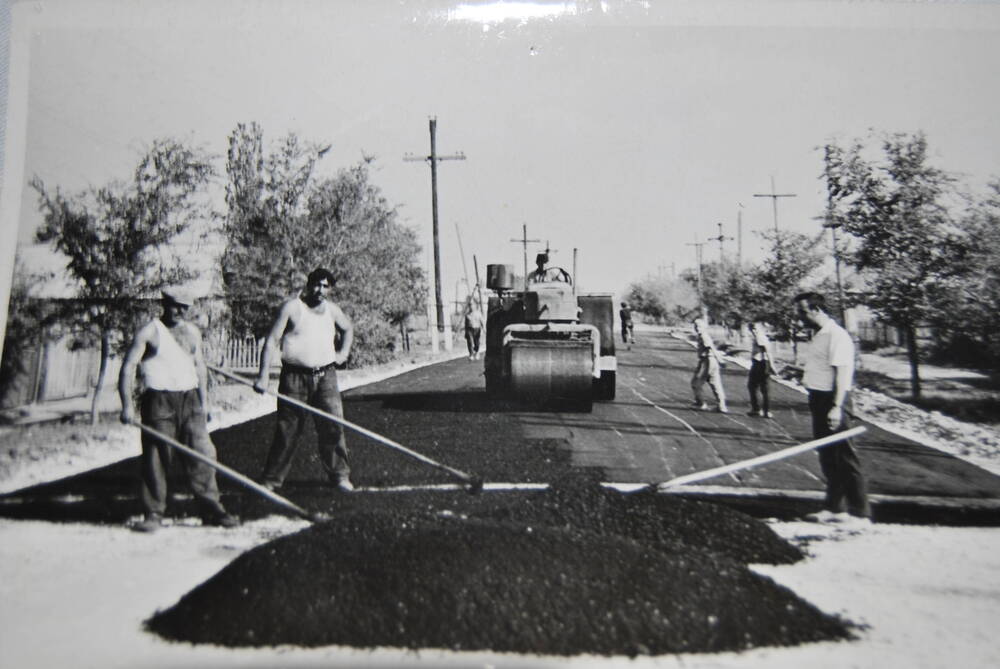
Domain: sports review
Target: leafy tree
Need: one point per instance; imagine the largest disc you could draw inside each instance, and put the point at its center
(771, 286)
(113, 237)
(282, 223)
(26, 324)
(966, 321)
(907, 245)
(660, 299)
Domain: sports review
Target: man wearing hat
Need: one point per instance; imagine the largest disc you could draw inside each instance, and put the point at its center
(168, 353)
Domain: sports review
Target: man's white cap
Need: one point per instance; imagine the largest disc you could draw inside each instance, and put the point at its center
(177, 295)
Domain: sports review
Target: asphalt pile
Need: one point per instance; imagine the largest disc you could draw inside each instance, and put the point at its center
(576, 569)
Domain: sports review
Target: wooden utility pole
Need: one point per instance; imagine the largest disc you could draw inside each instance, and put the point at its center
(774, 201)
(524, 241)
(433, 159)
(721, 238)
(830, 221)
(739, 236)
(697, 247)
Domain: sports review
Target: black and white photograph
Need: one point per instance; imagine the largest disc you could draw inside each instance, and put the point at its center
(500, 334)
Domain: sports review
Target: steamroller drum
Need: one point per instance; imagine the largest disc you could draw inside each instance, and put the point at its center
(552, 372)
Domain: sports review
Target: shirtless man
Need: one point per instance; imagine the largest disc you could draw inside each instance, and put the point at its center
(174, 402)
(305, 333)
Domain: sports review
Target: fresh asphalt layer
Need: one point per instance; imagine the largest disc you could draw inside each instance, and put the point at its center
(650, 433)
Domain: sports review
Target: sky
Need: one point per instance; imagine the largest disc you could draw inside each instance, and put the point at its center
(622, 131)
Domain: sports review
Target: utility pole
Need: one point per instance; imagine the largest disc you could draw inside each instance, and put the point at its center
(433, 159)
(461, 251)
(739, 236)
(830, 221)
(697, 247)
(721, 238)
(774, 201)
(525, 241)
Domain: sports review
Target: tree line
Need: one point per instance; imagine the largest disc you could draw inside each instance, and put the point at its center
(916, 248)
(280, 221)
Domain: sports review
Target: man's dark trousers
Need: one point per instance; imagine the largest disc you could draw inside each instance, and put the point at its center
(846, 489)
(319, 390)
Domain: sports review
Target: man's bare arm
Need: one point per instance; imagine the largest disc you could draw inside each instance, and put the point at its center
(346, 326)
(272, 346)
(199, 367)
(126, 377)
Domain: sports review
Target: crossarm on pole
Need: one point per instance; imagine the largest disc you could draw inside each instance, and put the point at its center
(762, 459)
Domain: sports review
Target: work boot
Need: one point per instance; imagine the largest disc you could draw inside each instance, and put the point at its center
(151, 523)
(222, 519)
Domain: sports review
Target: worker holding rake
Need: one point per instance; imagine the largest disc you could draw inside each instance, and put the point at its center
(305, 333)
(174, 403)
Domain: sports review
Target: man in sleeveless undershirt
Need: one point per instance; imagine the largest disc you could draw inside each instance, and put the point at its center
(305, 335)
(168, 353)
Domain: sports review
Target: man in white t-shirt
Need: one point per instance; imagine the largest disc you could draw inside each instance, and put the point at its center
(305, 333)
(828, 376)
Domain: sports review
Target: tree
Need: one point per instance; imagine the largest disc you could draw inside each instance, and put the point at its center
(907, 245)
(770, 287)
(660, 299)
(966, 321)
(113, 237)
(282, 223)
(26, 322)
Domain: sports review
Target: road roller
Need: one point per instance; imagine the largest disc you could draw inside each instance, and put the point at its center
(548, 344)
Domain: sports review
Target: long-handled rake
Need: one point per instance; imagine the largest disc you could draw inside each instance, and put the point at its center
(475, 484)
(759, 460)
(235, 475)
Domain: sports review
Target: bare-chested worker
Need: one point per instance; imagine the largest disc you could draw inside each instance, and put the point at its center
(305, 332)
(168, 352)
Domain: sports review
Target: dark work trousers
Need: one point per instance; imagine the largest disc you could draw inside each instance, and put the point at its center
(178, 415)
(845, 483)
(757, 380)
(472, 339)
(628, 332)
(318, 390)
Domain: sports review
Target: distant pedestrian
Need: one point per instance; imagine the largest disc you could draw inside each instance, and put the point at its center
(828, 375)
(628, 328)
(473, 328)
(168, 352)
(708, 369)
(305, 332)
(760, 371)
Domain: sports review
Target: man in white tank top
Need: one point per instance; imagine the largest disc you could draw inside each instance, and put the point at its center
(305, 332)
(167, 351)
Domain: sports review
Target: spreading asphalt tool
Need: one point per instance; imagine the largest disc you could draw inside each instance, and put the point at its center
(759, 460)
(235, 475)
(475, 484)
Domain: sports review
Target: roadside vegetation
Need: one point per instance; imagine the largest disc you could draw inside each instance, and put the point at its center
(124, 241)
(908, 244)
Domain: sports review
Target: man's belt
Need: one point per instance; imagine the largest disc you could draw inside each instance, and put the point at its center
(302, 369)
